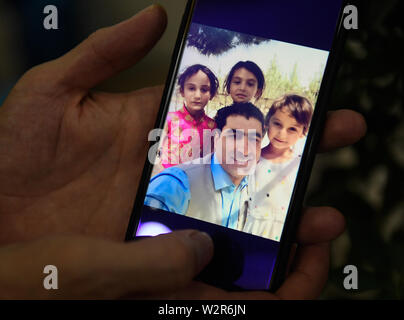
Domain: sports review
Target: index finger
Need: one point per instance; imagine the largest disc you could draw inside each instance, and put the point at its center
(309, 274)
(107, 51)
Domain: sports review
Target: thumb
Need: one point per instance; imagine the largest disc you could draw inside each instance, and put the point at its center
(108, 51)
(166, 262)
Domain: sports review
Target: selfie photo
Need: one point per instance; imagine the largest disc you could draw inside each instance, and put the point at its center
(235, 130)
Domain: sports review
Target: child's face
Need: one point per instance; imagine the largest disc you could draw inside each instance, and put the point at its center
(284, 130)
(196, 92)
(244, 86)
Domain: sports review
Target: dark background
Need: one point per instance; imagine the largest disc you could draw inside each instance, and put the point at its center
(274, 20)
(364, 181)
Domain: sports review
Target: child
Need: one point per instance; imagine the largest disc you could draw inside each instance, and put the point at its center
(245, 81)
(184, 128)
(287, 122)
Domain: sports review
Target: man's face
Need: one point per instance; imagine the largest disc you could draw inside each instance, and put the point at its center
(238, 148)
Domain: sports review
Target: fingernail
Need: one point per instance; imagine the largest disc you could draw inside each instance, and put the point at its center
(153, 6)
(203, 246)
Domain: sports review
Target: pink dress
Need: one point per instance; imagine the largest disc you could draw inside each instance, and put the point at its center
(184, 138)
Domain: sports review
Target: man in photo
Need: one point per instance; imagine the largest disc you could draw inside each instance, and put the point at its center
(215, 188)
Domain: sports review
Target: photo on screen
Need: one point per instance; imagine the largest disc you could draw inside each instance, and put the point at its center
(235, 130)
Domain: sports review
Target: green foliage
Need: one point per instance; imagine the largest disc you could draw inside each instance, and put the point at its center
(274, 80)
(214, 41)
(278, 84)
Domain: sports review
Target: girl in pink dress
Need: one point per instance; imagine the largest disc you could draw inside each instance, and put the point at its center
(185, 129)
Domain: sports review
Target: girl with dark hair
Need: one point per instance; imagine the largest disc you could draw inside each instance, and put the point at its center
(245, 81)
(183, 136)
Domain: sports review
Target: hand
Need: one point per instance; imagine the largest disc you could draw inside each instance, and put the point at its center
(70, 162)
(91, 268)
(309, 264)
(71, 159)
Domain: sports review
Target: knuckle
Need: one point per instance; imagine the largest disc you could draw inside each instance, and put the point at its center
(98, 48)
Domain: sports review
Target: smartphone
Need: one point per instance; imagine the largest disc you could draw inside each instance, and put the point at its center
(236, 135)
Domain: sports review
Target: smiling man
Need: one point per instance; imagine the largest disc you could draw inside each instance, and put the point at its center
(215, 188)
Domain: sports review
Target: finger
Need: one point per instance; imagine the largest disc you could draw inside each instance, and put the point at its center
(111, 50)
(292, 255)
(306, 280)
(163, 263)
(320, 224)
(309, 274)
(342, 128)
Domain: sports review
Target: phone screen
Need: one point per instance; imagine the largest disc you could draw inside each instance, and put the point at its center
(237, 116)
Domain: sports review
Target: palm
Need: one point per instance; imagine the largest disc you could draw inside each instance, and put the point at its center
(79, 160)
(71, 159)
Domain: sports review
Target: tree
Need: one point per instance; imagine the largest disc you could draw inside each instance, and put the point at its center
(293, 84)
(314, 87)
(210, 40)
(274, 80)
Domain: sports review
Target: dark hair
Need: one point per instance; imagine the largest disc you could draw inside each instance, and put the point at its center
(245, 109)
(299, 107)
(250, 66)
(190, 71)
